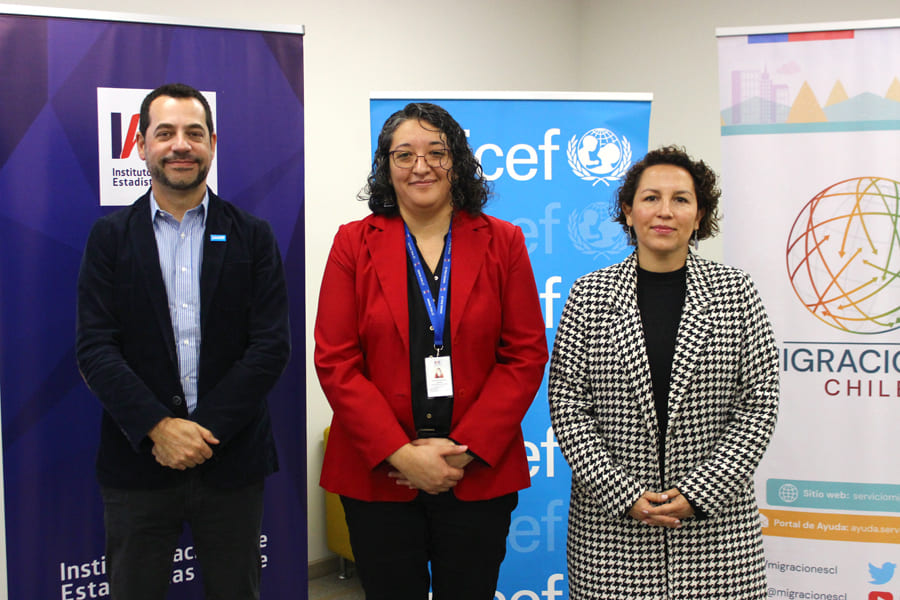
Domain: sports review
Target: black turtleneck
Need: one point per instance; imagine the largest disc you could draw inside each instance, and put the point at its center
(660, 298)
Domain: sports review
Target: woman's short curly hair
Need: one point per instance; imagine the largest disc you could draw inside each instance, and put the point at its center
(468, 187)
(706, 187)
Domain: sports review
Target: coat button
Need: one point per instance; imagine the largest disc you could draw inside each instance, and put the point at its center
(177, 400)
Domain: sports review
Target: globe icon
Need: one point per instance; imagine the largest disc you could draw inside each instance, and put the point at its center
(599, 151)
(843, 255)
(788, 493)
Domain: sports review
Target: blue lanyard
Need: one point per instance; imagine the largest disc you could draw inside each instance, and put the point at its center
(437, 313)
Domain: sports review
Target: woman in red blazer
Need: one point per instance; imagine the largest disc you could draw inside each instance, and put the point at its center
(430, 347)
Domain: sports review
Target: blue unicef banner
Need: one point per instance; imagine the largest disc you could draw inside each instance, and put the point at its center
(70, 94)
(555, 163)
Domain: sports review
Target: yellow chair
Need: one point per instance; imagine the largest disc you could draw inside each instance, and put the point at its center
(336, 533)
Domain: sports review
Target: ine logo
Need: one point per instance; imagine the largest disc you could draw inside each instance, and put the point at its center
(599, 155)
(123, 175)
(122, 146)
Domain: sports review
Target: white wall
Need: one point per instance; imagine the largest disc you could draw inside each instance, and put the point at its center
(669, 48)
(355, 46)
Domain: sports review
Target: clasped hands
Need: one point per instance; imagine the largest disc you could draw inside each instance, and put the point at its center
(433, 465)
(664, 509)
(181, 444)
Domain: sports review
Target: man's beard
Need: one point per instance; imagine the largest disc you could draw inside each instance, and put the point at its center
(158, 173)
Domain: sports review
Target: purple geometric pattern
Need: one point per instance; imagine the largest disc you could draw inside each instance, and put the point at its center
(48, 201)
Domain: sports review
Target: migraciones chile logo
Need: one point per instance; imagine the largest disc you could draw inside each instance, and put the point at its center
(599, 155)
(123, 175)
(843, 255)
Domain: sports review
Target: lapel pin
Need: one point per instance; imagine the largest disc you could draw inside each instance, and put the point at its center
(217, 237)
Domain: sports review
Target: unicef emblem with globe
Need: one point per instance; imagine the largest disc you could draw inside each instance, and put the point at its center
(593, 232)
(598, 155)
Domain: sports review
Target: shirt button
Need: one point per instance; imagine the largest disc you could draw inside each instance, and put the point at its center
(187, 342)
(183, 269)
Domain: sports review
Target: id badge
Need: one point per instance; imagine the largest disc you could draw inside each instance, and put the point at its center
(438, 377)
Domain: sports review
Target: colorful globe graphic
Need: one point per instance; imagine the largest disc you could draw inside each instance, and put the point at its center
(843, 255)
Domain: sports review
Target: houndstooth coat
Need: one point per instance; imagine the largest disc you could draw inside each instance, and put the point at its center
(722, 409)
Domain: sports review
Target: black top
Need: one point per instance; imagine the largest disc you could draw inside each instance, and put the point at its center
(432, 416)
(660, 298)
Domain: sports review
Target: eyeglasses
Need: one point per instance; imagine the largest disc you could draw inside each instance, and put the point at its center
(436, 157)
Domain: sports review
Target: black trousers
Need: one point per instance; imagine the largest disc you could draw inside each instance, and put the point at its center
(143, 528)
(464, 542)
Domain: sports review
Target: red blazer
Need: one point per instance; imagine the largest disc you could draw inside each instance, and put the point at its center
(362, 355)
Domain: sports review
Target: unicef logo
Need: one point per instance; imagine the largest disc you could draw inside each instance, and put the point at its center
(788, 493)
(599, 155)
(592, 232)
(843, 255)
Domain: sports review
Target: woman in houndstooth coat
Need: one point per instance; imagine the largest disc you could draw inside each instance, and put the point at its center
(663, 395)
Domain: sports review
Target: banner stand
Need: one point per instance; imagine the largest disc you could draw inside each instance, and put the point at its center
(70, 99)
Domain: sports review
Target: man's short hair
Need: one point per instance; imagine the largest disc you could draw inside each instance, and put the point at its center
(173, 90)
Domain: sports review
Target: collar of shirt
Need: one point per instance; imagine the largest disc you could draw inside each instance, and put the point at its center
(201, 208)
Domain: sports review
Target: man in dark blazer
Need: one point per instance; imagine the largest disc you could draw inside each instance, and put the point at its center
(182, 331)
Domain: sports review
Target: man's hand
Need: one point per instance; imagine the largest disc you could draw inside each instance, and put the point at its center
(181, 444)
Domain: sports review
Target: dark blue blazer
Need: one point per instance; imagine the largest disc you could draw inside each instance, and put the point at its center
(126, 346)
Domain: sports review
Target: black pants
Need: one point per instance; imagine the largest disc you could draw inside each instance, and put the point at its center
(394, 542)
(143, 528)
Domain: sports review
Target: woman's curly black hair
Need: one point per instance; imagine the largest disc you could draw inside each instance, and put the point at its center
(705, 187)
(468, 187)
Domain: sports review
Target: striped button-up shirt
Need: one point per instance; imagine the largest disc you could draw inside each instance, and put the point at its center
(180, 247)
